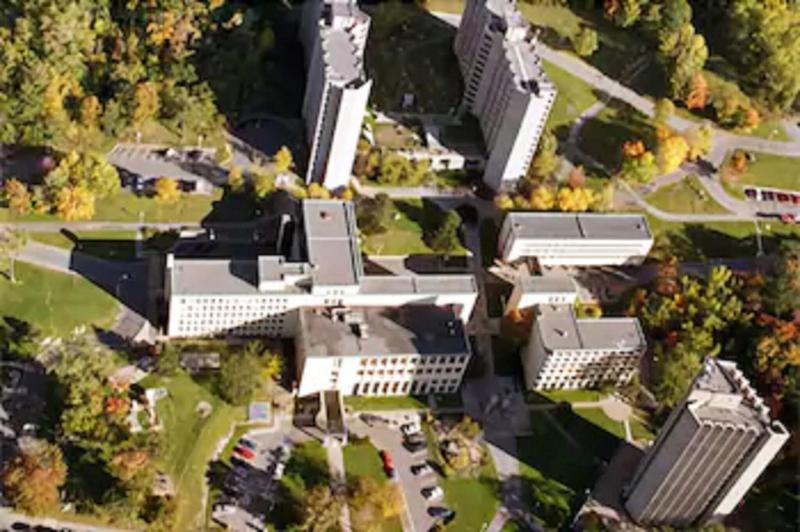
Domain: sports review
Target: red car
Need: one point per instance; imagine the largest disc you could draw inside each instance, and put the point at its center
(245, 452)
(388, 465)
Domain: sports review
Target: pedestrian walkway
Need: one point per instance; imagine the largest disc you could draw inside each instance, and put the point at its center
(333, 448)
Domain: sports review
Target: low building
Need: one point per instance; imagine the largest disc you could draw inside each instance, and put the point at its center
(531, 290)
(311, 259)
(564, 239)
(713, 447)
(381, 351)
(565, 352)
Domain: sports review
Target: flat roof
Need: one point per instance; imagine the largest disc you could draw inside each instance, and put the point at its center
(341, 55)
(561, 330)
(422, 284)
(383, 331)
(548, 284)
(214, 276)
(549, 225)
(332, 242)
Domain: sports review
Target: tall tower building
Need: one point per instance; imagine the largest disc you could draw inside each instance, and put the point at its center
(712, 449)
(506, 88)
(334, 34)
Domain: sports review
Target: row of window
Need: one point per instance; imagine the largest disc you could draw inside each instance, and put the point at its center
(414, 360)
(405, 388)
(412, 371)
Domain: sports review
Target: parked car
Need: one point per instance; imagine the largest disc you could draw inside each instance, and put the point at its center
(280, 468)
(410, 428)
(187, 185)
(751, 193)
(767, 195)
(245, 452)
(782, 197)
(388, 464)
(414, 446)
(421, 469)
(432, 493)
(790, 218)
(244, 442)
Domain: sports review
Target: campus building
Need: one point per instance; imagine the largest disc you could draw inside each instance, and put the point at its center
(565, 352)
(531, 290)
(308, 257)
(709, 453)
(564, 239)
(334, 34)
(381, 350)
(506, 88)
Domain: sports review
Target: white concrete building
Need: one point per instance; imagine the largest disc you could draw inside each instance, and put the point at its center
(334, 33)
(505, 86)
(530, 290)
(564, 239)
(564, 352)
(314, 261)
(381, 350)
(713, 447)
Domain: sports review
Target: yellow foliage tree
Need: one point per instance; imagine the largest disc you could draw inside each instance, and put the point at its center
(90, 111)
(75, 203)
(317, 191)
(699, 140)
(543, 198)
(283, 159)
(671, 153)
(145, 102)
(575, 199)
(236, 179)
(346, 194)
(167, 190)
(504, 202)
(17, 196)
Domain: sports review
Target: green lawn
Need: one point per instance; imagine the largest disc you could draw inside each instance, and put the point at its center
(475, 501)
(767, 171)
(411, 52)
(445, 6)
(406, 234)
(770, 129)
(361, 460)
(685, 196)
(190, 441)
(56, 303)
(113, 245)
(400, 402)
(574, 97)
(602, 137)
(599, 418)
(571, 396)
(641, 428)
(395, 136)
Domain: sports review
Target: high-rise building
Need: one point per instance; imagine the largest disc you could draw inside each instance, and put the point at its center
(711, 450)
(334, 34)
(505, 86)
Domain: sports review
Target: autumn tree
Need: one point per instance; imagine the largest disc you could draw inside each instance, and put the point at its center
(697, 93)
(699, 140)
(575, 199)
(145, 102)
(663, 109)
(585, 42)
(317, 191)
(238, 378)
(504, 202)
(77, 169)
(32, 479)
(783, 287)
(263, 183)
(90, 111)
(576, 177)
(75, 203)
(627, 13)
(373, 502)
(375, 214)
(543, 198)
(12, 240)
(283, 159)
(444, 239)
(166, 190)
(639, 167)
(17, 195)
(236, 180)
(546, 160)
(321, 510)
(671, 153)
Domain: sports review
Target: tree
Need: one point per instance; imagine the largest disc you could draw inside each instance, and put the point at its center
(145, 102)
(671, 153)
(75, 203)
(17, 196)
(322, 510)
(664, 109)
(236, 179)
(283, 159)
(167, 190)
(546, 160)
(628, 13)
(783, 287)
(263, 183)
(11, 243)
(543, 198)
(699, 140)
(372, 502)
(168, 360)
(76, 169)
(317, 191)
(375, 214)
(33, 478)
(639, 169)
(90, 111)
(504, 202)
(445, 237)
(585, 42)
(575, 199)
(698, 92)
(576, 177)
(238, 378)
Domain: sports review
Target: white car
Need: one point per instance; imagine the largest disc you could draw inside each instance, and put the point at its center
(279, 469)
(410, 428)
(421, 469)
(433, 493)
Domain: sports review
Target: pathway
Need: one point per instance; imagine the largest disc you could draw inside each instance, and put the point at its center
(333, 448)
(9, 521)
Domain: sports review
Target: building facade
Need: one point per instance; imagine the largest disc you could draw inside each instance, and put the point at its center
(316, 263)
(564, 239)
(380, 351)
(531, 290)
(564, 352)
(709, 453)
(506, 88)
(334, 34)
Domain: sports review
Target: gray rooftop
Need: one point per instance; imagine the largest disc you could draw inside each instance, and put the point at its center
(419, 329)
(332, 242)
(412, 284)
(214, 276)
(549, 225)
(561, 330)
(547, 284)
(341, 55)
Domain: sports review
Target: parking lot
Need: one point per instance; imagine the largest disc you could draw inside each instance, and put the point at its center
(386, 435)
(250, 486)
(195, 169)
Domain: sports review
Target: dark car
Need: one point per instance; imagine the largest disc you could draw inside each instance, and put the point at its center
(782, 197)
(767, 195)
(414, 445)
(751, 193)
(187, 185)
(445, 514)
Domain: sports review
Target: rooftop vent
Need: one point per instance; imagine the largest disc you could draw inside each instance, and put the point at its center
(325, 215)
(562, 333)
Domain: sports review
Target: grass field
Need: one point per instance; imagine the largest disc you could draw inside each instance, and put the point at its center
(406, 234)
(767, 171)
(189, 441)
(597, 417)
(56, 303)
(400, 402)
(602, 137)
(475, 501)
(685, 196)
(113, 245)
(361, 460)
(570, 396)
(574, 97)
